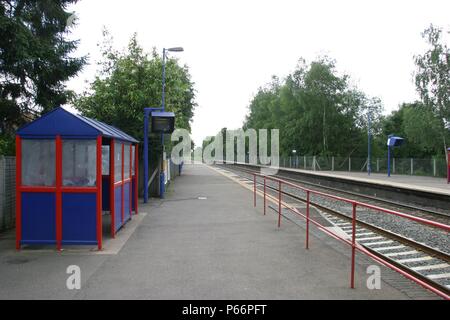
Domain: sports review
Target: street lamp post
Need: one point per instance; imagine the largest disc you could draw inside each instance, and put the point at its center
(175, 49)
(163, 106)
(147, 114)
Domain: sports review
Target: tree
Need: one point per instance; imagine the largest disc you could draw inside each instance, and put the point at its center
(432, 78)
(316, 110)
(419, 126)
(129, 81)
(35, 61)
(422, 128)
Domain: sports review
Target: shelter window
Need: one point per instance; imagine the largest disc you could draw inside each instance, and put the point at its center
(38, 162)
(79, 163)
(105, 160)
(126, 163)
(117, 162)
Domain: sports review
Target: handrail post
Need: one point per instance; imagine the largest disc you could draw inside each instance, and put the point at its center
(279, 204)
(352, 275)
(264, 195)
(254, 190)
(307, 219)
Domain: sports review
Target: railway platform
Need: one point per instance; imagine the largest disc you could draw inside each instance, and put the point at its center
(420, 183)
(205, 240)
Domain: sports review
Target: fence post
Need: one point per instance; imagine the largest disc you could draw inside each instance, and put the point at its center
(412, 166)
(264, 195)
(332, 163)
(434, 167)
(314, 163)
(290, 161)
(279, 204)
(307, 219)
(349, 164)
(304, 162)
(393, 165)
(378, 165)
(296, 162)
(352, 275)
(18, 193)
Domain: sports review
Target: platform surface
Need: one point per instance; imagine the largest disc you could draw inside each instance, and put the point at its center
(204, 241)
(424, 183)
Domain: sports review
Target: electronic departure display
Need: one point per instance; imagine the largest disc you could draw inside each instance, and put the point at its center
(163, 122)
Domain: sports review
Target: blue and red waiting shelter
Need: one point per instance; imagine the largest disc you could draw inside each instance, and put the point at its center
(69, 170)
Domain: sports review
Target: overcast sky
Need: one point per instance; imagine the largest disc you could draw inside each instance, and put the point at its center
(234, 47)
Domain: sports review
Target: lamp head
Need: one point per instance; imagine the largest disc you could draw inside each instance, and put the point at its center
(175, 49)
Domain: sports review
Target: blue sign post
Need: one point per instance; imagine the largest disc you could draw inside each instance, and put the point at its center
(392, 142)
(147, 112)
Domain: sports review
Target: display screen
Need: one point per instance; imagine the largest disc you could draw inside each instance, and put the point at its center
(162, 124)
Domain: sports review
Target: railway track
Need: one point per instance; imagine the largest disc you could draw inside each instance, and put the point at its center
(426, 213)
(425, 262)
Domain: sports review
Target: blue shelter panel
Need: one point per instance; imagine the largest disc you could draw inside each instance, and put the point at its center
(118, 207)
(127, 200)
(105, 193)
(38, 218)
(79, 218)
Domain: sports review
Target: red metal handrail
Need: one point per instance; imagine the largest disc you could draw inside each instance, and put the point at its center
(355, 246)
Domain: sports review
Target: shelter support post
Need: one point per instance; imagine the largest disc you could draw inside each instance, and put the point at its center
(130, 207)
(99, 193)
(58, 192)
(136, 174)
(111, 189)
(18, 193)
(122, 193)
